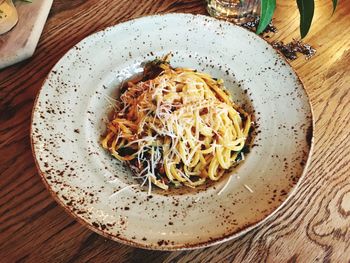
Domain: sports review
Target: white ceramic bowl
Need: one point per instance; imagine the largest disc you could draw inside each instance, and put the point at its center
(68, 120)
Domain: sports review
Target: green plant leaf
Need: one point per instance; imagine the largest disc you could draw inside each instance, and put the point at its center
(306, 10)
(335, 2)
(267, 9)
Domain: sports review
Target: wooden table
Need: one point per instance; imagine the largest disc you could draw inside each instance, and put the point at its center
(314, 226)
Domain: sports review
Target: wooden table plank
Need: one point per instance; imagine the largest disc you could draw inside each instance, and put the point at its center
(313, 226)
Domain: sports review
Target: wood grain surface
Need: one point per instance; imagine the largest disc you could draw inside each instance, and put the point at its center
(313, 227)
(20, 42)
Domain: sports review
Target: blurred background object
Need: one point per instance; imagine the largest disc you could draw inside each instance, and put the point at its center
(8, 16)
(243, 11)
(20, 43)
(237, 11)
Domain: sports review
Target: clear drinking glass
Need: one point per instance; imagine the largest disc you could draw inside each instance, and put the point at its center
(237, 11)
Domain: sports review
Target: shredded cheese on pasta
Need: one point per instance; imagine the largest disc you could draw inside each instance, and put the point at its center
(180, 127)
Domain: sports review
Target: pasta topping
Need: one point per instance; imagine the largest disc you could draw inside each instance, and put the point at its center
(177, 126)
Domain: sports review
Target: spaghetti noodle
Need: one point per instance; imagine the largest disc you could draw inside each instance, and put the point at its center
(177, 126)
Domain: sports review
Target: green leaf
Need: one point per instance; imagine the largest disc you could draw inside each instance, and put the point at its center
(267, 9)
(306, 10)
(335, 2)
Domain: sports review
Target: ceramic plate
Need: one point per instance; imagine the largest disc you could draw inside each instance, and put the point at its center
(99, 191)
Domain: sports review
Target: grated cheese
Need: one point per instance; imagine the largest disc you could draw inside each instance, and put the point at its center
(248, 188)
(225, 186)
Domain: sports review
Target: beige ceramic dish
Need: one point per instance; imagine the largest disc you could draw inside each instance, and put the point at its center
(69, 114)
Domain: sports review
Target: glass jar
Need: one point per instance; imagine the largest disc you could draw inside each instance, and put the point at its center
(237, 11)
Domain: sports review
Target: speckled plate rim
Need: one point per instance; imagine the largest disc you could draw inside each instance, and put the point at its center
(212, 242)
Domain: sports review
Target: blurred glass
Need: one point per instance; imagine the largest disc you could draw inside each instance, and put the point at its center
(237, 11)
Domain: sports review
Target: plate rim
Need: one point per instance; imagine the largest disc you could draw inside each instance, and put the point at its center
(185, 246)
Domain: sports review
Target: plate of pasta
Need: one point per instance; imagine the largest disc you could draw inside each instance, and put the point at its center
(199, 129)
